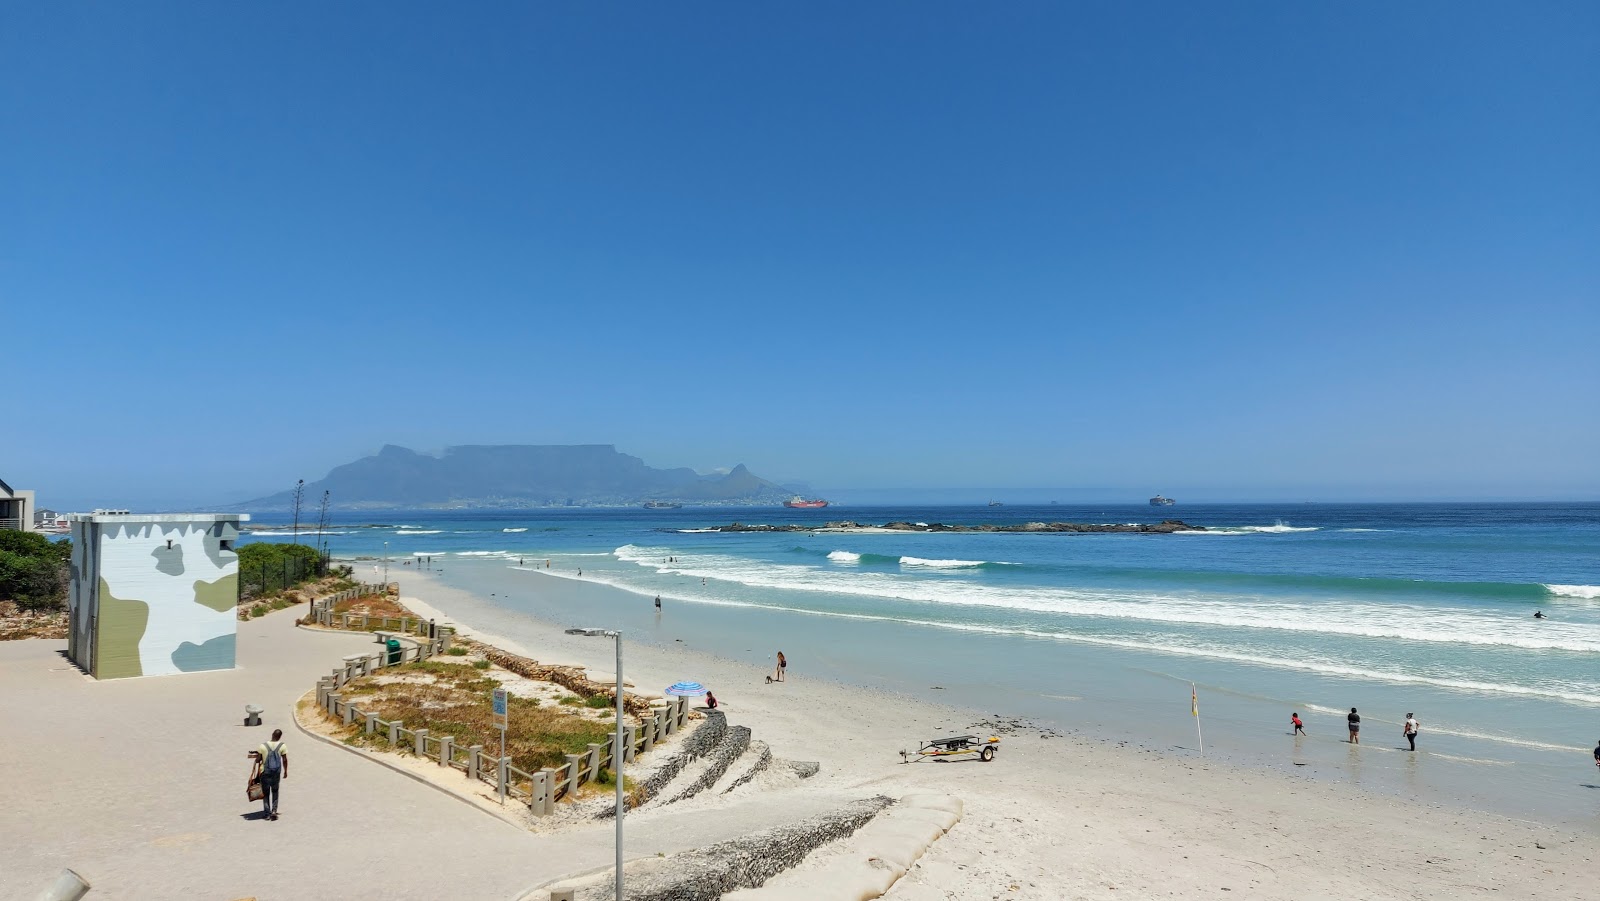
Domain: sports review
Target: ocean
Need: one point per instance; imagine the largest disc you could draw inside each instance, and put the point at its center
(1308, 608)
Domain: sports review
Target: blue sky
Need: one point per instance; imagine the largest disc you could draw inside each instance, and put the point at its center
(917, 251)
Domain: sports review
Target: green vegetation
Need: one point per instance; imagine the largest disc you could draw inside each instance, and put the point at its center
(598, 702)
(266, 567)
(33, 570)
(480, 664)
(454, 700)
(458, 652)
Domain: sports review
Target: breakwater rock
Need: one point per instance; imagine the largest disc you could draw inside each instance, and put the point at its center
(1164, 527)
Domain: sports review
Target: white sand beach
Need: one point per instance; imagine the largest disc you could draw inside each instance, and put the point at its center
(1075, 817)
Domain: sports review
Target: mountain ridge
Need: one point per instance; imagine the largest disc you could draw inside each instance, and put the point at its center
(515, 476)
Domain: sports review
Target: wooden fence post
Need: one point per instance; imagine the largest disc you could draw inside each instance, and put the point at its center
(394, 732)
(422, 743)
(473, 763)
(372, 723)
(447, 750)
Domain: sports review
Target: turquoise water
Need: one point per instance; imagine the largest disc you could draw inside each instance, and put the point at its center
(1316, 608)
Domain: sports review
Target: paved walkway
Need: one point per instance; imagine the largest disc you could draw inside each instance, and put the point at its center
(138, 784)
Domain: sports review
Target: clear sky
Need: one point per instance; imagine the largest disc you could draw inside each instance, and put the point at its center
(896, 251)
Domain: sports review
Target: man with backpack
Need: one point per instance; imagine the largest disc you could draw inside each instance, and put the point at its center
(271, 766)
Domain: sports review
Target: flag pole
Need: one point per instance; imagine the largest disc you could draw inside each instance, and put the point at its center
(1194, 707)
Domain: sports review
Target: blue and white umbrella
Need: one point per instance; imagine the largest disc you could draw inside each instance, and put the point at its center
(686, 689)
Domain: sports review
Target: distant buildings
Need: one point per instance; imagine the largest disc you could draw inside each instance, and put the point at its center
(16, 508)
(153, 593)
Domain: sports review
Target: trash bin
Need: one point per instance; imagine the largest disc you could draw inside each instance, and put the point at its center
(393, 645)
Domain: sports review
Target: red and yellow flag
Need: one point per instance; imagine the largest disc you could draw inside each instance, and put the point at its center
(1194, 701)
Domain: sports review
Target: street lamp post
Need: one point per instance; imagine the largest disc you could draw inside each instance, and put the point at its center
(386, 566)
(617, 750)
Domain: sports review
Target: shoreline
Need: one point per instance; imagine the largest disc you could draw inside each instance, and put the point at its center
(1075, 815)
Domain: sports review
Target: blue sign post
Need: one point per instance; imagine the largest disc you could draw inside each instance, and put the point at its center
(500, 717)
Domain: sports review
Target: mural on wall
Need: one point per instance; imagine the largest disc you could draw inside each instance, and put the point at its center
(167, 596)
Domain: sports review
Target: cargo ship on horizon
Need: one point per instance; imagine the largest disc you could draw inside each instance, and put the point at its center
(799, 503)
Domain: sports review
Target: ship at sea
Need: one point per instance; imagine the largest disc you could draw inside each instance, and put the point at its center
(1159, 501)
(799, 503)
(661, 505)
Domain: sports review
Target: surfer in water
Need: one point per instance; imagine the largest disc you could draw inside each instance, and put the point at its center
(1538, 614)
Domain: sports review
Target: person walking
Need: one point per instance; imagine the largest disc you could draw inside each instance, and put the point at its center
(658, 603)
(1410, 729)
(783, 664)
(270, 768)
(1299, 727)
(1355, 726)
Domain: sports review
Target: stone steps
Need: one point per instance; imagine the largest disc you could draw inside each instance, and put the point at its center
(868, 862)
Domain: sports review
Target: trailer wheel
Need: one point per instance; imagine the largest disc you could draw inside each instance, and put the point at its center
(986, 755)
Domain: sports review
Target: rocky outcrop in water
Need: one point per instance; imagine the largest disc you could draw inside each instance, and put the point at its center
(1165, 527)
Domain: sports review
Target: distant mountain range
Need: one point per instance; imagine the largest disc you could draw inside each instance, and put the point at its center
(517, 476)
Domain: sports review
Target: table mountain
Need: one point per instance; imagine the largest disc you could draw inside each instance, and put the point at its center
(519, 475)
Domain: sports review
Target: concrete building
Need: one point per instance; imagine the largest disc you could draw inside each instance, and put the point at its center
(153, 594)
(16, 508)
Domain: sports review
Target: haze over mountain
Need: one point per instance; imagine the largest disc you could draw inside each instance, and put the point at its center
(519, 475)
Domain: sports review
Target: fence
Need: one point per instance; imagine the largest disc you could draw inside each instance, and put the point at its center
(279, 576)
(322, 613)
(539, 790)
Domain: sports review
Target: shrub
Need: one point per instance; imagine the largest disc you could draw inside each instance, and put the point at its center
(458, 652)
(598, 702)
(480, 664)
(33, 570)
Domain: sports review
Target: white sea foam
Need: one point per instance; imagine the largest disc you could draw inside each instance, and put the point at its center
(524, 529)
(946, 564)
(844, 557)
(1461, 625)
(288, 534)
(1366, 530)
(480, 553)
(1279, 528)
(1587, 592)
(419, 531)
(1446, 729)
(695, 531)
(1578, 695)
(428, 553)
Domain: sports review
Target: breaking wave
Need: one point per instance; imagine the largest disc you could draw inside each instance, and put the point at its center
(1587, 592)
(419, 531)
(524, 529)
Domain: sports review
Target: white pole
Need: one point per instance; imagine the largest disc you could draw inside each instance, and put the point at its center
(1195, 696)
(617, 755)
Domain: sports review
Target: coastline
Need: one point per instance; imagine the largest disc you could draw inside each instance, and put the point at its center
(1067, 815)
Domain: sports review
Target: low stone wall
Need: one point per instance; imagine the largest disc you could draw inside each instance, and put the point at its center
(763, 760)
(572, 678)
(736, 742)
(706, 874)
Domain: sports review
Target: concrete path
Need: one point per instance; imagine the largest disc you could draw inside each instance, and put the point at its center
(139, 785)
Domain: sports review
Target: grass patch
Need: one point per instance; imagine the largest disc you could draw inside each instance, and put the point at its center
(599, 702)
(571, 701)
(458, 652)
(455, 701)
(480, 664)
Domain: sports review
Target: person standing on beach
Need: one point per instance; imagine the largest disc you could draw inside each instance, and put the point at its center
(1410, 729)
(658, 603)
(783, 664)
(1355, 726)
(1299, 727)
(270, 767)
(1597, 753)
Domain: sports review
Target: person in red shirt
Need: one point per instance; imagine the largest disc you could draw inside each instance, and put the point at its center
(1299, 727)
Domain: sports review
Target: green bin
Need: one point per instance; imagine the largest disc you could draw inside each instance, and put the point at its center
(393, 645)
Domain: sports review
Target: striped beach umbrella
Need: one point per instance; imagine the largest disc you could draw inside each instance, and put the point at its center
(686, 689)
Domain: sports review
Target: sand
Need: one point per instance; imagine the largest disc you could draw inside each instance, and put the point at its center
(1073, 816)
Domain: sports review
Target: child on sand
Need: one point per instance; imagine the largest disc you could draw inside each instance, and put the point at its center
(1355, 726)
(1299, 727)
